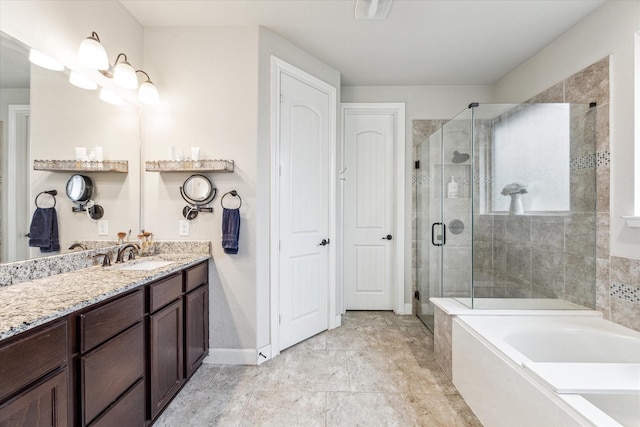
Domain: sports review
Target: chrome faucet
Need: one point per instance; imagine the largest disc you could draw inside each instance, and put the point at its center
(106, 261)
(122, 250)
(78, 245)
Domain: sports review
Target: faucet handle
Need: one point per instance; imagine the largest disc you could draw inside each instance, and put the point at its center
(106, 260)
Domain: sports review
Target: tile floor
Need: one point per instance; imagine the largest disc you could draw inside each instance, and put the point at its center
(377, 369)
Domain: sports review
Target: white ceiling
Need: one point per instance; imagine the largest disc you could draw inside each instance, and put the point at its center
(422, 42)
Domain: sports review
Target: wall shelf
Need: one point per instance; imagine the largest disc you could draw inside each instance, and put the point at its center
(120, 166)
(215, 165)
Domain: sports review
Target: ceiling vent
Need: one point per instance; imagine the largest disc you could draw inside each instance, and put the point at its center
(372, 9)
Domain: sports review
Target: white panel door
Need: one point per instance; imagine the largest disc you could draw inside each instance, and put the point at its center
(304, 211)
(368, 211)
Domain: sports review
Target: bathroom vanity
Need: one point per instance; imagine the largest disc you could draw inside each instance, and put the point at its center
(102, 346)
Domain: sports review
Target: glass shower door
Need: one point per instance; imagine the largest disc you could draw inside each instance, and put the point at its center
(428, 212)
(456, 167)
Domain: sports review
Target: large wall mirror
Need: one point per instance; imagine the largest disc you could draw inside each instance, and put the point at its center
(44, 117)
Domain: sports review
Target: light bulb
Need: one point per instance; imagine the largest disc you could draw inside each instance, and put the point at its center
(92, 54)
(40, 59)
(108, 96)
(148, 93)
(124, 75)
(81, 81)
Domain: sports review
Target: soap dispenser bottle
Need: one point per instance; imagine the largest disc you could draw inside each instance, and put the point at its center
(452, 189)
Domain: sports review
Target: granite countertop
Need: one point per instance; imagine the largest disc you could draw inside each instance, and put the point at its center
(29, 304)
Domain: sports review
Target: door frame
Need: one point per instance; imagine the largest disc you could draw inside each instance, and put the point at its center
(15, 111)
(279, 67)
(398, 111)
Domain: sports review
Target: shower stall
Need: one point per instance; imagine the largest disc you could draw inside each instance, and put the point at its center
(505, 208)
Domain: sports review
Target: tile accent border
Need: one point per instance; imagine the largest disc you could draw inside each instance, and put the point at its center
(625, 292)
(590, 161)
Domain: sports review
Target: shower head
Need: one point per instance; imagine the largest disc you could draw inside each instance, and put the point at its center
(459, 157)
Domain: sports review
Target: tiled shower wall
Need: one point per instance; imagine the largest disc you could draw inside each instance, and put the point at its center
(534, 242)
(542, 256)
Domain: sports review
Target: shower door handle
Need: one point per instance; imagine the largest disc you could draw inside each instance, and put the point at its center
(433, 234)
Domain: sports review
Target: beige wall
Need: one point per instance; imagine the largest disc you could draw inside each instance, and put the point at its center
(208, 80)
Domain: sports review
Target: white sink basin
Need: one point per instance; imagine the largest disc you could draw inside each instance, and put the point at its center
(146, 265)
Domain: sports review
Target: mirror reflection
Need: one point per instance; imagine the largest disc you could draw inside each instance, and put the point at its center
(48, 118)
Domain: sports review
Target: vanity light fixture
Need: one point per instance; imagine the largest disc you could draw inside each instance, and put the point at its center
(92, 54)
(81, 81)
(108, 96)
(148, 93)
(40, 59)
(124, 75)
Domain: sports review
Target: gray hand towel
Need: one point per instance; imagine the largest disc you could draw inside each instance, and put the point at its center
(230, 230)
(44, 230)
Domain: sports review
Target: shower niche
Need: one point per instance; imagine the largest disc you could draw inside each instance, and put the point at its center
(470, 246)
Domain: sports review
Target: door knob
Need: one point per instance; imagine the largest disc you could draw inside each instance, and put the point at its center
(324, 242)
(388, 237)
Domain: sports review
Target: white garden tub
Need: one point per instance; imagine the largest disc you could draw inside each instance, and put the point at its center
(547, 370)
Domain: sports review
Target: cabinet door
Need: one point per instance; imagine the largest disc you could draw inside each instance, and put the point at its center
(43, 405)
(196, 312)
(165, 355)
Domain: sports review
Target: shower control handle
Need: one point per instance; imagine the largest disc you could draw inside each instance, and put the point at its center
(433, 234)
(387, 237)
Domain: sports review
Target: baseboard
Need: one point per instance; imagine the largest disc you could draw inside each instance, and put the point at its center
(264, 354)
(232, 356)
(408, 308)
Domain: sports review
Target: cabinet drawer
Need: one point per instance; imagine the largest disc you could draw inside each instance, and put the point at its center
(128, 411)
(165, 291)
(109, 370)
(27, 359)
(97, 326)
(196, 276)
(42, 405)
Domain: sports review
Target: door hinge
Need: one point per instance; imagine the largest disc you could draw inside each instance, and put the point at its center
(281, 98)
(280, 319)
(280, 170)
(416, 295)
(417, 164)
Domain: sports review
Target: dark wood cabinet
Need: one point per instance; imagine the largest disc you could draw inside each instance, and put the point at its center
(128, 411)
(116, 363)
(165, 355)
(196, 314)
(110, 370)
(34, 379)
(42, 405)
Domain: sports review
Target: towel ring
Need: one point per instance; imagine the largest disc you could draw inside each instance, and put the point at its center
(233, 193)
(52, 193)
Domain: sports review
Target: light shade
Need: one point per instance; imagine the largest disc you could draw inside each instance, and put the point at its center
(372, 9)
(124, 75)
(40, 59)
(148, 94)
(81, 81)
(108, 96)
(92, 54)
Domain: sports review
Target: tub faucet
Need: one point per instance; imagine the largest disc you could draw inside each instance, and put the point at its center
(122, 250)
(106, 261)
(77, 245)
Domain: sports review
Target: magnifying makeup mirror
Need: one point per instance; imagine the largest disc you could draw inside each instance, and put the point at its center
(79, 191)
(198, 191)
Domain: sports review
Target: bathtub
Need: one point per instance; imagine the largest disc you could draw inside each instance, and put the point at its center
(547, 370)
